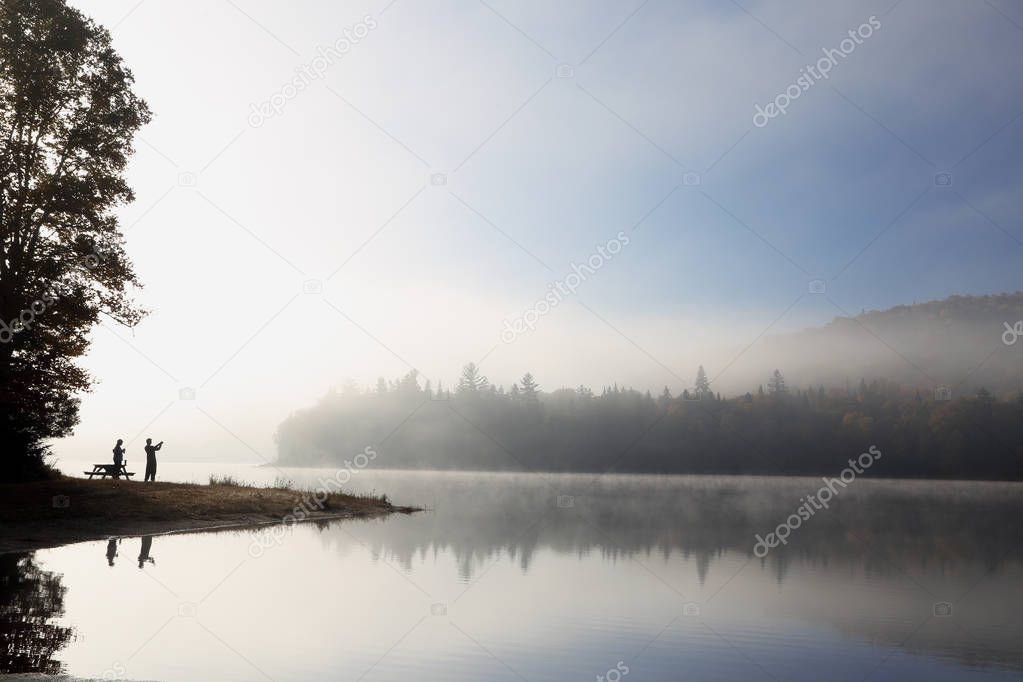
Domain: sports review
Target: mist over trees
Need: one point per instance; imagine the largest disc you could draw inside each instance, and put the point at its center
(481, 426)
(957, 340)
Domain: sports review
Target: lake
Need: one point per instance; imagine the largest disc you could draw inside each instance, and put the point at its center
(545, 577)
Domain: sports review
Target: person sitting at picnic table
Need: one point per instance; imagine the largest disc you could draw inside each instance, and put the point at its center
(118, 453)
(151, 459)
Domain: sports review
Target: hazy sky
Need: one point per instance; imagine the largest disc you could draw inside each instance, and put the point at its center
(554, 127)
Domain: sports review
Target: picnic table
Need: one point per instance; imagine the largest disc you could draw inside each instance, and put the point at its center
(105, 469)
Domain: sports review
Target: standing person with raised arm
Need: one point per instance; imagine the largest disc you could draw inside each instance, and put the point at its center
(151, 459)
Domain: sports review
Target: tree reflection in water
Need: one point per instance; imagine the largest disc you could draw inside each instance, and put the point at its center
(30, 600)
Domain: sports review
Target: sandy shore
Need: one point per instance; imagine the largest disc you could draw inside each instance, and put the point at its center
(65, 510)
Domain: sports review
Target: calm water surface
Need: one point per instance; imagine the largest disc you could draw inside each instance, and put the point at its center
(622, 577)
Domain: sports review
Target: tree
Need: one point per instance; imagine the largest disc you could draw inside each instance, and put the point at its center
(530, 389)
(973, 436)
(68, 116)
(32, 603)
(702, 387)
(665, 400)
(349, 388)
(408, 385)
(776, 384)
(471, 380)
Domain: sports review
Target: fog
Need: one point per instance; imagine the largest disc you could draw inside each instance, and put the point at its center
(434, 182)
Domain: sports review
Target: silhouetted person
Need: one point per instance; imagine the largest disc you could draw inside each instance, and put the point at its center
(151, 459)
(118, 453)
(147, 544)
(111, 550)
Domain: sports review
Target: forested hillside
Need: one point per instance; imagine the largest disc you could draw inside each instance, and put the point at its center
(958, 342)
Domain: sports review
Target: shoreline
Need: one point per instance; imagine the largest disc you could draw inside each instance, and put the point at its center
(597, 473)
(61, 511)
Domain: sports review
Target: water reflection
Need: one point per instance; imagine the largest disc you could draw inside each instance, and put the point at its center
(31, 599)
(147, 546)
(550, 576)
(879, 526)
(936, 541)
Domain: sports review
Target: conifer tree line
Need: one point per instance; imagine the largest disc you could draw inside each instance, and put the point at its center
(772, 429)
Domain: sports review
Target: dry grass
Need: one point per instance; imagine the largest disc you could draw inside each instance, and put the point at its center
(34, 514)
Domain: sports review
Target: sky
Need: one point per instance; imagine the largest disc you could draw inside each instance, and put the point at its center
(444, 163)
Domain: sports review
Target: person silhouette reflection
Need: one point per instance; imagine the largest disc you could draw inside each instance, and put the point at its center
(111, 551)
(147, 545)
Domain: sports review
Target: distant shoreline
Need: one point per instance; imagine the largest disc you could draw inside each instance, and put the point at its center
(649, 474)
(60, 511)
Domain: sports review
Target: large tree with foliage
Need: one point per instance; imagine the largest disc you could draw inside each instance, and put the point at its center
(68, 115)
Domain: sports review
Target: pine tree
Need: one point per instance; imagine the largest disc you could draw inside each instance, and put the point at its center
(530, 389)
(702, 387)
(409, 384)
(776, 384)
(665, 398)
(471, 380)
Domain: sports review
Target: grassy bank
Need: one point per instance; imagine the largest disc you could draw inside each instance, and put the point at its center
(48, 513)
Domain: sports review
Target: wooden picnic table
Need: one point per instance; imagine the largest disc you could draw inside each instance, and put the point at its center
(103, 470)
